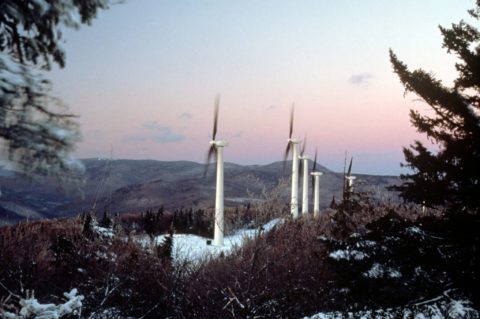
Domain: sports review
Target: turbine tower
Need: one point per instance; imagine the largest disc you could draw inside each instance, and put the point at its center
(292, 144)
(305, 159)
(217, 147)
(316, 188)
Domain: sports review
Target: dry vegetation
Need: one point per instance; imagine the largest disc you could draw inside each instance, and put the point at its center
(287, 272)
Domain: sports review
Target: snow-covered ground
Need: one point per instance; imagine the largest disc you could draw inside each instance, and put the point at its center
(103, 232)
(193, 247)
(437, 308)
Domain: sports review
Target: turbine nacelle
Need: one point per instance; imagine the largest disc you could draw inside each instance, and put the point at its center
(294, 140)
(304, 157)
(350, 180)
(219, 143)
(316, 173)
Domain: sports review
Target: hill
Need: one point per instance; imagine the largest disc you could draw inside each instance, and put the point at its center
(123, 186)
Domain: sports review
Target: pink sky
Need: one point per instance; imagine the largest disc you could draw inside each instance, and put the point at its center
(144, 76)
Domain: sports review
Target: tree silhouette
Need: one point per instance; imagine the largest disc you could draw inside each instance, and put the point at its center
(449, 176)
(106, 222)
(87, 229)
(165, 250)
(149, 223)
(35, 127)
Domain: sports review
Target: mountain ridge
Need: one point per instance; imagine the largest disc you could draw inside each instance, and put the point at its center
(126, 186)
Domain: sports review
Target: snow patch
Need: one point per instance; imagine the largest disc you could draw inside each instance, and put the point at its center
(459, 309)
(366, 243)
(415, 231)
(380, 271)
(193, 247)
(436, 310)
(348, 254)
(31, 308)
(271, 224)
(103, 232)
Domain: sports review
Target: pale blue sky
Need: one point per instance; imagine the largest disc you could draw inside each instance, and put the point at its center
(143, 77)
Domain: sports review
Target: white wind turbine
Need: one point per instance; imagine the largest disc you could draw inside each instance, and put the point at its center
(316, 187)
(305, 159)
(293, 145)
(217, 147)
(348, 182)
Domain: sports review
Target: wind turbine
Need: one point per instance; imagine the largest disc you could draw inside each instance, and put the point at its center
(348, 182)
(305, 159)
(292, 144)
(316, 188)
(217, 147)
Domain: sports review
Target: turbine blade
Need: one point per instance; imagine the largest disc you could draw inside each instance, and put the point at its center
(300, 166)
(344, 175)
(285, 155)
(292, 113)
(215, 116)
(349, 172)
(312, 179)
(210, 154)
(304, 145)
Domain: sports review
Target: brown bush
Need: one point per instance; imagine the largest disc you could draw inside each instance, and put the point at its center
(51, 257)
(278, 274)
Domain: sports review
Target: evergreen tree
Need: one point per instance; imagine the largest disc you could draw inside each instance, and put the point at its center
(149, 223)
(87, 230)
(105, 222)
(333, 203)
(35, 128)
(449, 176)
(190, 218)
(159, 221)
(160, 211)
(165, 250)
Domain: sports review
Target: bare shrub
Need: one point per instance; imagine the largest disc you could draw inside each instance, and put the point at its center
(283, 273)
(277, 274)
(50, 257)
(271, 203)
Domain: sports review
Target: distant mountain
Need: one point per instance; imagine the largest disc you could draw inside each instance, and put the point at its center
(122, 186)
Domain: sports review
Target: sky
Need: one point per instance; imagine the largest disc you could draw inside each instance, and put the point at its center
(143, 78)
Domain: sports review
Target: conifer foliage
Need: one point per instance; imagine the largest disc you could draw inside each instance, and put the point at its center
(451, 175)
(36, 128)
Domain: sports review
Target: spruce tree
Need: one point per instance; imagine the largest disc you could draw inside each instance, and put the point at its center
(333, 203)
(87, 230)
(165, 250)
(450, 175)
(149, 223)
(105, 222)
